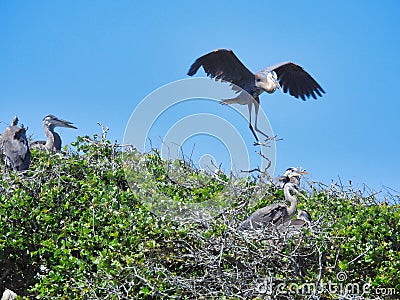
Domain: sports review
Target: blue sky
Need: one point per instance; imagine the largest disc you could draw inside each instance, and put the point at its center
(94, 61)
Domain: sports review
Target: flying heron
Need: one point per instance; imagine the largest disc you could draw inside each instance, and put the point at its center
(223, 64)
(277, 213)
(15, 147)
(53, 142)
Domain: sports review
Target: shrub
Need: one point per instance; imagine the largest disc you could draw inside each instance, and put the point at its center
(76, 226)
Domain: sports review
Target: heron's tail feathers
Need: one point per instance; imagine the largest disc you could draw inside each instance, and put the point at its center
(228, 101)
(243, 98)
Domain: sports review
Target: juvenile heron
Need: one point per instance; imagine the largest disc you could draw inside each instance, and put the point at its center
(222, 64)
(53, 142)
(277, 213)
(15, 148)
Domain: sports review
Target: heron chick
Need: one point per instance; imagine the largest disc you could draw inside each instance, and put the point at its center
(53, 142)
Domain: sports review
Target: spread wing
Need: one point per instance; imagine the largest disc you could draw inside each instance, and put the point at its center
(295, 80)
(223, 64)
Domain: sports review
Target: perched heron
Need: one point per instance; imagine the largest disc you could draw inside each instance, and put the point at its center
(15, 148)
(277, 213)
(222, 64)
(53, 142)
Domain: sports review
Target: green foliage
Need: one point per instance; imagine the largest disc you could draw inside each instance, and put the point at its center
(364, 241)
(80, 225)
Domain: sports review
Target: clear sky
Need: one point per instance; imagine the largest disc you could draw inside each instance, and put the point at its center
(95, 61)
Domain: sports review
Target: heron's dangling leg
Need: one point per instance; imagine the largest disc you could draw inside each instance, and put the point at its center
(250, 105)
(256, 107)
(245, 98)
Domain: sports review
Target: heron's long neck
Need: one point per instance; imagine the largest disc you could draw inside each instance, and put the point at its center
(288, 197)
(50, 138)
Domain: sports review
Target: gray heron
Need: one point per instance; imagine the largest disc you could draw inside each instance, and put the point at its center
(277, 213)
(53, 142)
(15, 147)
(223, 64)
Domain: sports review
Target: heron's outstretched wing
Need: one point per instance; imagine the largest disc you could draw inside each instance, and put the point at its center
(222, 64)
(295, 80)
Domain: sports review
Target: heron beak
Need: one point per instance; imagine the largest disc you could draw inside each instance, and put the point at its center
(300, 173)
(69, 125)
(64, 123)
